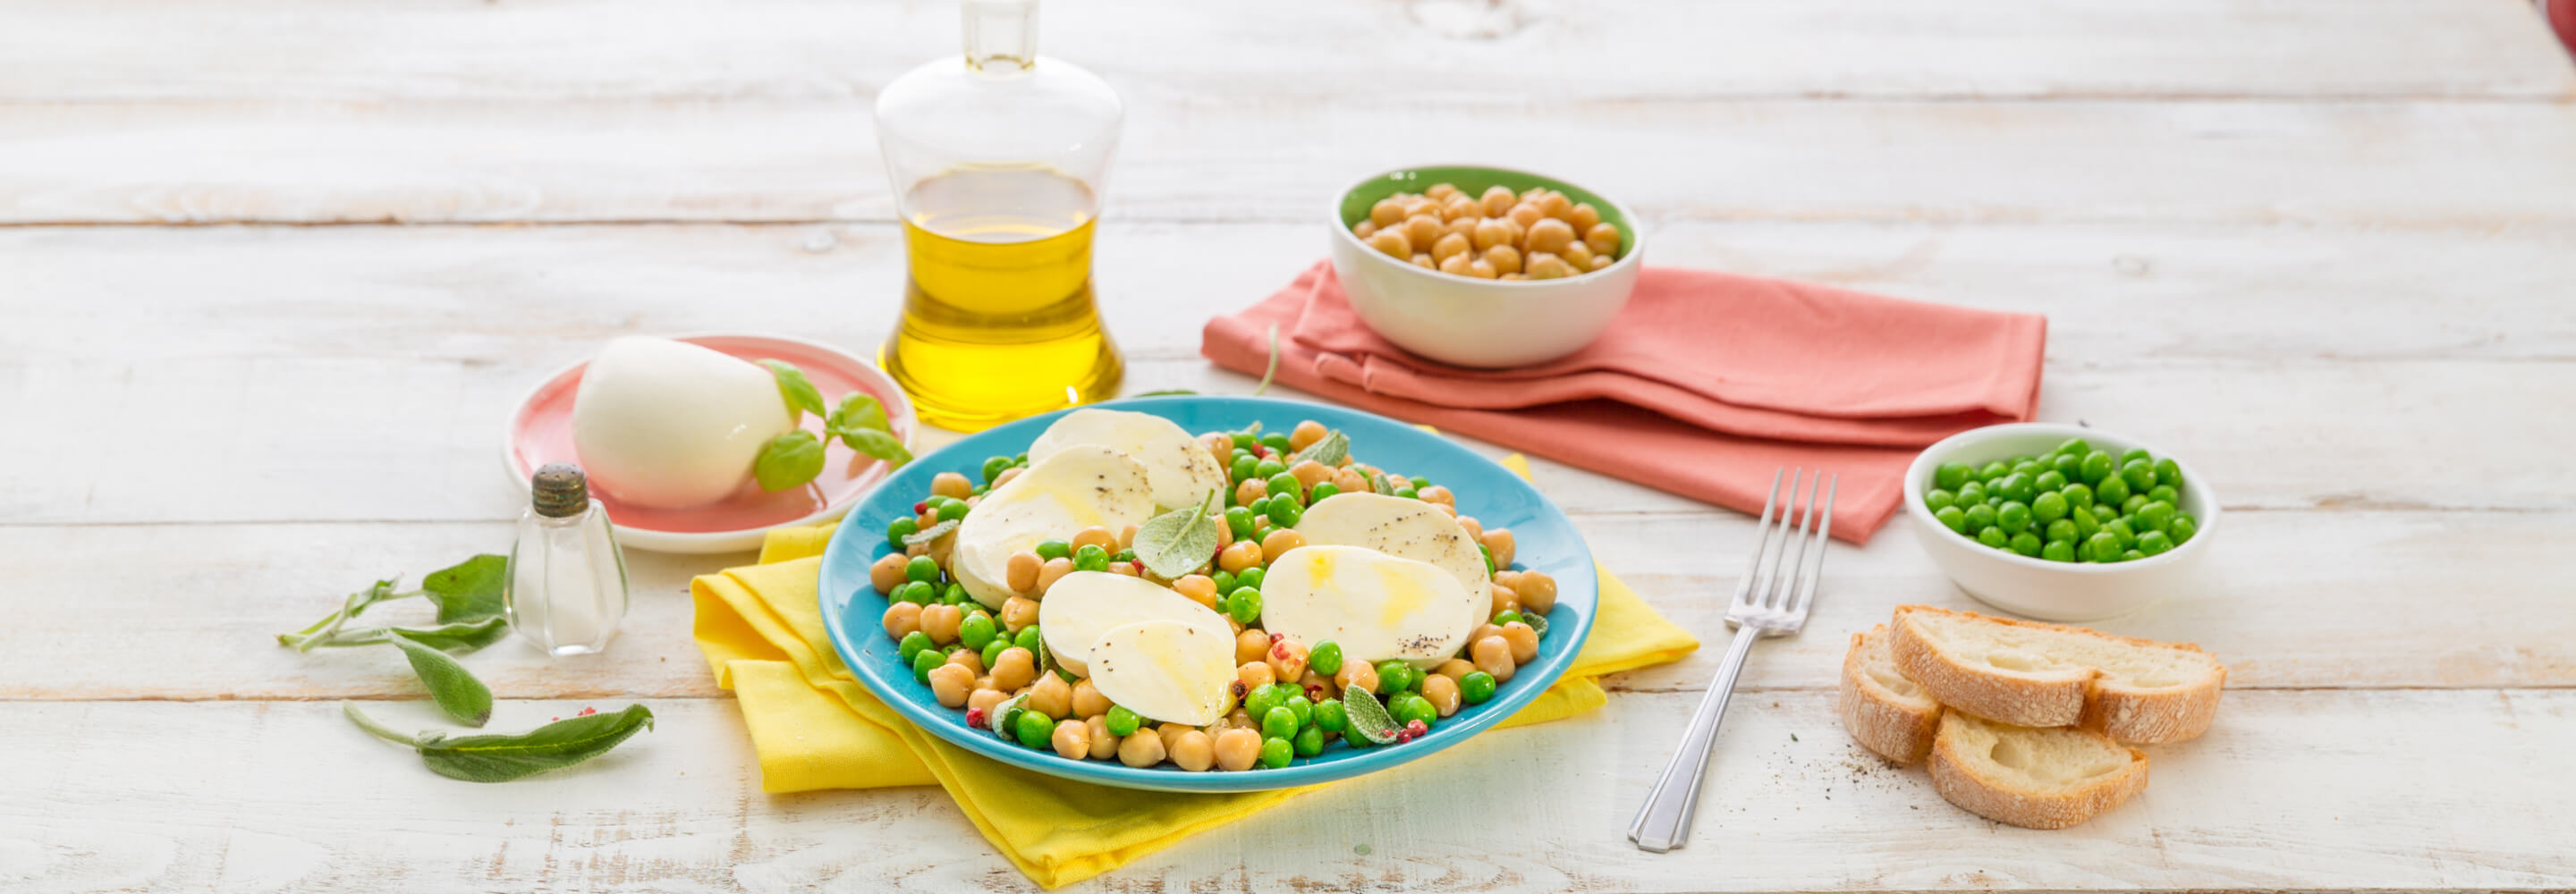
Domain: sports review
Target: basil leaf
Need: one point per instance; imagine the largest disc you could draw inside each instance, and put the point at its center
(796, 389)
(1178, 542)
(1331, 451)
(788, 461)
(871, 442)
(469, 591)
(554, 746)
(1368, 717)
(931, 533)
(450, 685)
(859, 411)
(463, 636)
(1164, 393)
(1273, 371)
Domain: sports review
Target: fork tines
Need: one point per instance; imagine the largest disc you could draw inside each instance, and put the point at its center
(1766, 596)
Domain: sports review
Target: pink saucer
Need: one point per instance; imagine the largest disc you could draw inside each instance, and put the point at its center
(541, 432)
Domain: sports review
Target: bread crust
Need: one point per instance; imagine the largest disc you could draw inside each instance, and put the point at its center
(2007, 801)
(1889, 725)
(2075, 697)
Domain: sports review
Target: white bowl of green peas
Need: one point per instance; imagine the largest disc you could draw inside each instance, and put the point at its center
(2060, 522)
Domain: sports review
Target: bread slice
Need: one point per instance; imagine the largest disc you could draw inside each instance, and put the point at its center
(2033, 778)
(1885, 712)
(2027, 673)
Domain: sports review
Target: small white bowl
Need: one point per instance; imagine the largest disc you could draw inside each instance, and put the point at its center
(1478, 322)
(2054, 591)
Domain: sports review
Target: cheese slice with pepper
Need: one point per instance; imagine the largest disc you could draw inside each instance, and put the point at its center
(1085, 604)
(1179, 467)
(1167, 670)
(1375, 605)
(1081, 486)
(1405, 529)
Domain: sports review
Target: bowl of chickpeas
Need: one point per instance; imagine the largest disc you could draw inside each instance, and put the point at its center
(1481, 266)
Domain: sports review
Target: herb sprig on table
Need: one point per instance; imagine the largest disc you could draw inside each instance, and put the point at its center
(470, 616)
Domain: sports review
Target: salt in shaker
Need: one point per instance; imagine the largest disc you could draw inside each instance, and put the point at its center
(567, 581)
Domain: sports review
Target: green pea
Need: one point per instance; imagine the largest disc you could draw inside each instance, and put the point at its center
(2058, 551)
(1487, 553)
(1284, 511)
(958, 597)
(1243, 605)
(1952, 518)
(1285, 486)
(2134, 503)
(915, 592)
(1260, 700)
(2082, 518)
(2049, 506)
(2069, 466)
(1308, 743)
(1325, 658)
(2073, 447)
(1034, 730)
(2136, 453)
(2140, 474)
(953, 510)
(1124, 555)
(2183, 527)
(2131, 555)
(2098, 467)
(2025, 543)
(1278, 723)
(993, 650)
(2156, 515)
(2154, 543)
(1949, 476)
(1396, 676)
(1993, 470)
(2014, 517)
(926, 659)
(2164, 492)
(1244, 440)
(2168, 473)
(1980, 517)
(2048, 480)
(1268, 467)
(1351, 735)
(1506, 617)
(901, 528)
(2111, 490)
(2119, 527)
(1250, 577)
(2077, 494)
(1995, 500)
(993, 466)
(2027, 468)
(1322, 489)
(921, 568)
(1994, 537)
(2018, 488)
(1298, 705)
(1411, 706)
(1122, 722)
(1408, 493)
(1330, 716)
(2061, 529)
(1054, 549)
(976, 630)
(1224, 581)
(2104, 546)
(1091, 558)
(1244, 467)
(1276, 753)
(1277, 442)
(1972, 493)
(1476, 687)
(1939, 499)
(912, 644)
(1029, 638)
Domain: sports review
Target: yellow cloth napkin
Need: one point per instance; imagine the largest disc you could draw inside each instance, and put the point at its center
(816, 727)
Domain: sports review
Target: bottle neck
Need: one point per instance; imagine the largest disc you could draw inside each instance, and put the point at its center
(1001, 35)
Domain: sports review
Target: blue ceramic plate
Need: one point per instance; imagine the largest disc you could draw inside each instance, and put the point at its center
(1543, 540)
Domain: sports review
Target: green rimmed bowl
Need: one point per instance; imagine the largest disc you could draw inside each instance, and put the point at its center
(1479, 322)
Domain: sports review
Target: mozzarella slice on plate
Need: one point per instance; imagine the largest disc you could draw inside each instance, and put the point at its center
(1076, 488)
(1085, 604)
(1375, 605)
(1180, 468)
(1167, 670)
(1405, 529)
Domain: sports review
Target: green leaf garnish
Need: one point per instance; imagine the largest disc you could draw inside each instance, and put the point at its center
(931, 533)
(789, 460)
(1537, 622)
(450, 684)
(1178, 542)
(468, 591)
(878, 444)
(1378, 483)
(1273, 370)
(1368, 717)
(1331, 451)
(504, 757)
(859, 410)
(798, 391)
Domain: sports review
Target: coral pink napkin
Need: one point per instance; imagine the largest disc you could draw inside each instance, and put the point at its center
(1704, 385)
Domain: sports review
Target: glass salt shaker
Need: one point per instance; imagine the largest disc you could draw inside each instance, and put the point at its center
(567, 580)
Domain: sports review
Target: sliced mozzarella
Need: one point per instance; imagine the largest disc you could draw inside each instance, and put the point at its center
(1077, 488)
(1181, 469)
(1167, 670)
(1405, 529)
(1085, 604)
(1375, 605)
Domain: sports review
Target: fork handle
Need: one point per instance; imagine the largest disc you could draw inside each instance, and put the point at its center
(1664, 822)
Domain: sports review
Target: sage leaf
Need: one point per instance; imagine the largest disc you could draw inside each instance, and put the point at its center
(1537, 622)
(1167, 392)
(504, 757)
(1273, 371)
(931, 533)
(859, 410)
(304, 640)
(469, 590)
(798, 391)
(1368, 717)
(1331, 451)
(880, 444)
(460, 637)
(1178, 542)
(450, 684)
(789, 460)
(1378, 482)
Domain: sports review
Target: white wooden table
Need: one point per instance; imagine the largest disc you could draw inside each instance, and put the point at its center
(274, 270)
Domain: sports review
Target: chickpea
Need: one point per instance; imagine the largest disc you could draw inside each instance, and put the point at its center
(940, 621)
(1602, 238)
(969, 659)
(1242, 555)
(1020, 572)
(1310, 473)
(1072, 739)
(1219, 445)
(1490, 232)
(1526, 214)
(1365, 229)
(1436, 494)
(927, 518)
(1127, 538)
(1350, 481)
(1194, 752)
(1443, 693)
(1014, 472)
(1018, 613)
(1458, 207)
(1464, 226)
(1127, 568)
(1498, 200)
(1555, 206)
(1482, 631)
(1250, 646)
(1356, 675)
(1441, 191)
(1254, 675)
(1416, 203)
(1421, 230)
(1536, 590)
(1449, 246)
(1087, 700)
(1235, 719)
(1144, 749)
(1199, 587)
(1279, 543)
(1170, 733)
(1237, 749)
(1386, 212)
(1481, 269)
(951, 484)
(1494, 656)
(887, 573)
(1391, 241)
(1502, 600)
(1583, 216)
(1287, 658)
(1542, 265)
(1513, 276)
(1455, 668)
(902, 618)
(1475, 529)
(1602, 262)
(1096, 536)
(985, 699)
(1014, 669)
(1103, 745)
(1578, 255)
(1524, 642)
(1506, 259)
(1054, 570)
(1499, 542)
(1458, 265)
(951, 684)
(1051, 696)
(1250, 490)
(1424, 261)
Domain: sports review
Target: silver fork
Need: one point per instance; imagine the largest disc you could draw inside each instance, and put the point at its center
(1767, 602)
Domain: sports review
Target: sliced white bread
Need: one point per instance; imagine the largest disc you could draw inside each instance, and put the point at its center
(2033, 778)
(2027, 673)
(1885, 712)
